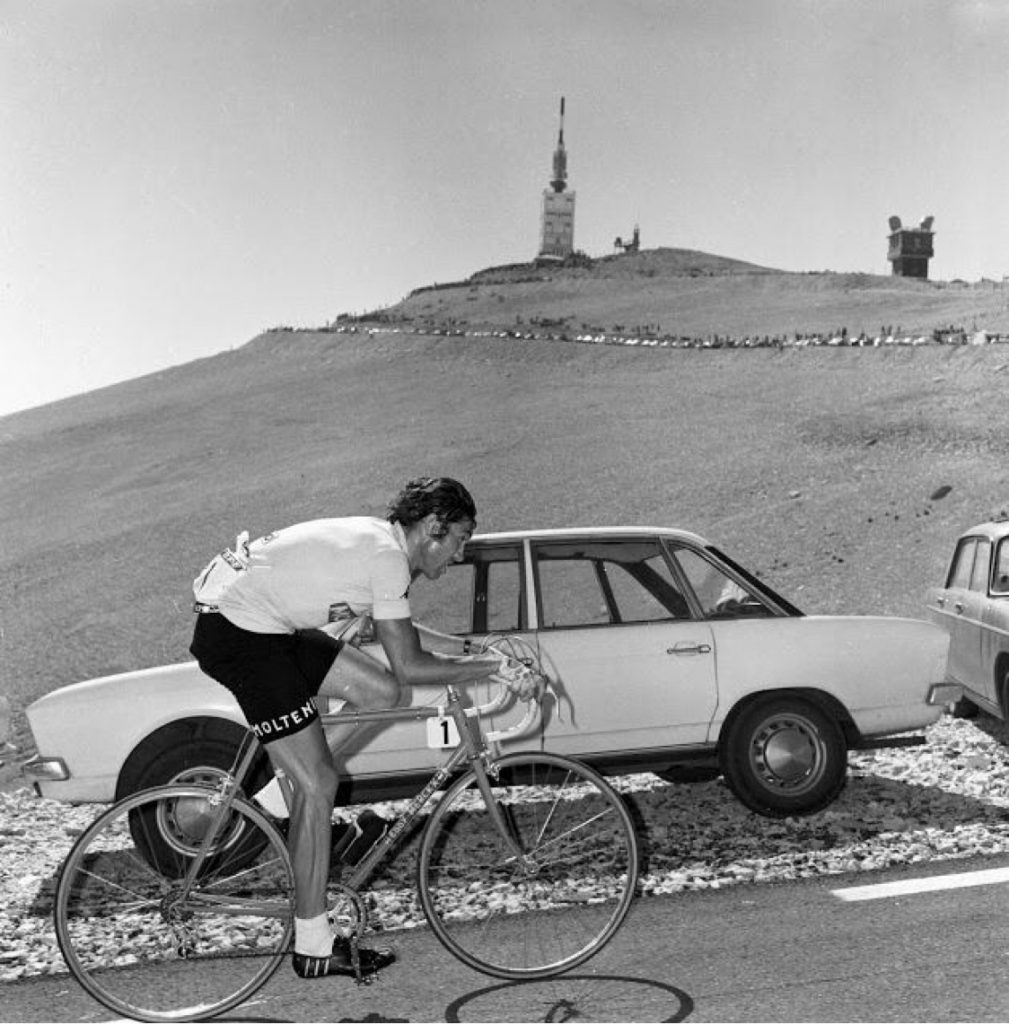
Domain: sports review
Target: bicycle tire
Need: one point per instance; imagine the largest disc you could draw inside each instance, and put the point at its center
(559, 905)
(141, 945)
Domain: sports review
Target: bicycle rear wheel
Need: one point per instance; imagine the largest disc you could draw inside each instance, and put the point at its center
(542, 913)
(146, 946)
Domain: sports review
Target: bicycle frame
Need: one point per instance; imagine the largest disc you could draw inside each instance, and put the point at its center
(472, 749)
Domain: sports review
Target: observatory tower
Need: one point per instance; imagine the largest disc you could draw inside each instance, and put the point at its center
(910, 248)
(557, 234)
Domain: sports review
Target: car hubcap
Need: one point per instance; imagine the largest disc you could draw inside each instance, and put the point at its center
(183, 823)
(787, 754)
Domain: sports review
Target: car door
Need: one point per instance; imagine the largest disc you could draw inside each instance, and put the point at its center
(743, 622)
(951, 609)
(971, 622)
(995, 620)
(635, 669)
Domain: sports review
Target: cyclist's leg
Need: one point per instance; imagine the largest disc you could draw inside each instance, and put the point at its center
(362, 683)
(305, 760)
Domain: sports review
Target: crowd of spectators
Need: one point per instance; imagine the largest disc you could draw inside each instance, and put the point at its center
(651, 336)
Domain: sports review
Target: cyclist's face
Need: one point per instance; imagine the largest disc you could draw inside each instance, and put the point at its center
(438, 553)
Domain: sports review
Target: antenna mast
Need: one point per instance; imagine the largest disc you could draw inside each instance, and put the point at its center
(560, 179)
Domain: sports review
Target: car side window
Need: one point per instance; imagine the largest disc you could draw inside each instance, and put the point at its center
(504, 605)
(481, 594)
(963, 565)
(982, 562)
(605, 582)
(1000, 578)
(718, 594)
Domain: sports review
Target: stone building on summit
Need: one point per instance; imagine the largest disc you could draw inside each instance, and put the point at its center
(910, 248)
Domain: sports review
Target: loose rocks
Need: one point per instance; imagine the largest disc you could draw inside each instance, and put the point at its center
(943, 801)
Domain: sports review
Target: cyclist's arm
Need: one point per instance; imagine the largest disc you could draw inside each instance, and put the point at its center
(412, 665)
(441, 643)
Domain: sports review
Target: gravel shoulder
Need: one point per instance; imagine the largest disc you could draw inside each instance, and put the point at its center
(946, 800)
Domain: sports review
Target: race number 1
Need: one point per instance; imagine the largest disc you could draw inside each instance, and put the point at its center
(442, 732)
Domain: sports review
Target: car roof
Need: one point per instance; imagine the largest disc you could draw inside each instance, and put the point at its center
(593, 532)
(994, 528)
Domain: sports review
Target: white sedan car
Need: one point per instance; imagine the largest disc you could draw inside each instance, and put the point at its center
(666, 657)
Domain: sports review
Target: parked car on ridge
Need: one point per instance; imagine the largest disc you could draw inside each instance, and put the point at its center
(668, 656)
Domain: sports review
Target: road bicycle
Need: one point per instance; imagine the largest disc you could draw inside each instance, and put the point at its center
(177, 903)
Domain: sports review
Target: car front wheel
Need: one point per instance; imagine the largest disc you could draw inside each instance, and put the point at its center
(784, 756)
(198, 752)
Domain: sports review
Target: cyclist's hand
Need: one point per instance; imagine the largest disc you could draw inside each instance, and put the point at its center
(523, 681)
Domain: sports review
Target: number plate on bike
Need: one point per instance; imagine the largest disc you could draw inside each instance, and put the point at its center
(442, 733)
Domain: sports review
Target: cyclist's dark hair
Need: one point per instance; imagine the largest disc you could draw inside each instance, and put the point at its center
(445, 497)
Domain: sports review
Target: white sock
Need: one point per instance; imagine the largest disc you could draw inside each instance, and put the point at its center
(271, 799)
(313, 936)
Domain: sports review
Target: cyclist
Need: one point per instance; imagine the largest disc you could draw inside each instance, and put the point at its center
(263, 637)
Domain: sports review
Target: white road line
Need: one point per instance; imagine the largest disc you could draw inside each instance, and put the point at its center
(935, 883)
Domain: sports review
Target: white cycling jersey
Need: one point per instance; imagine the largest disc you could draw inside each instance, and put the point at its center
(324, 570)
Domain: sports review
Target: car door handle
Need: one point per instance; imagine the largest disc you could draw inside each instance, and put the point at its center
(688, 648)
(958, 606)
(941, 602)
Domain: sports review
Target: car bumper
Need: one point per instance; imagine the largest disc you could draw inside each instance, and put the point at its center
(944, 694)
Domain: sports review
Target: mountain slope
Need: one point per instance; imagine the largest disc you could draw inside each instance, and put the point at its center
(815, 467)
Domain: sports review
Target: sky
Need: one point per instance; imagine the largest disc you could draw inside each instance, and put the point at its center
(177, 176)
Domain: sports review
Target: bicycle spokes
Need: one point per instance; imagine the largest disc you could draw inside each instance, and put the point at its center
(547, 892)
(151, 944)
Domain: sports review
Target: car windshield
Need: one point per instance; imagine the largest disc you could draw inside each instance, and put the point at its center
(718, 594)
(755, 585)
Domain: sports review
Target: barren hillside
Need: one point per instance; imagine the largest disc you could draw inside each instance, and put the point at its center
(816, 467)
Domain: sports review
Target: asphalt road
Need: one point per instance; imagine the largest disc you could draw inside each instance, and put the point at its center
(780, 952)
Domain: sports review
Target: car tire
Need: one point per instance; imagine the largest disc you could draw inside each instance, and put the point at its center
(199, 751)
(785, 756)
(1003, 695)
(185, 752)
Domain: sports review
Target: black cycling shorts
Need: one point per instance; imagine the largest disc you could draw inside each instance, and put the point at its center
(273, 676)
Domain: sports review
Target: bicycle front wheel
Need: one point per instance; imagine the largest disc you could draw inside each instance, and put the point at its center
(532, 876)
(149, 945)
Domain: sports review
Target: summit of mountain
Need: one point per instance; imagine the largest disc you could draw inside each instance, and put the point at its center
(688, 294)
